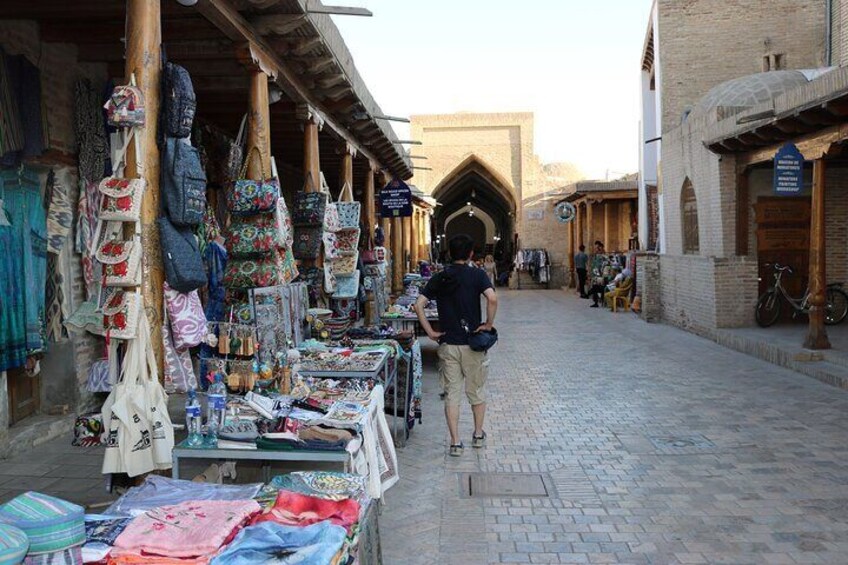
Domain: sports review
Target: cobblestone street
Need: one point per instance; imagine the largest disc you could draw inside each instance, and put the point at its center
(656, 446)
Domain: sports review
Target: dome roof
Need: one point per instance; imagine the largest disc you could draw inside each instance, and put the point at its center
(748, 91)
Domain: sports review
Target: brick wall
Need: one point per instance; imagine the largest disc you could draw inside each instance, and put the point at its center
(706, 42)
(648, 286)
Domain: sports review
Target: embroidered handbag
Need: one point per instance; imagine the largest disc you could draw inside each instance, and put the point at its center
(290, 271)
(331, 245)
(347, 241)
(121, 199)
(380, 254)
(285, 230)
(125, 107)
(120, 260)
(344, 265)
(347, 286)
(120, 314)
(331, 218)
(307, 242)
(248, 197)
(346, 308)
(180, 101)
(309, 208)
(184, 269)
(244, 274)
(183, 182)
(88, 429)
(251, 237)
(329, 278)
(348, 209)
(188, 322)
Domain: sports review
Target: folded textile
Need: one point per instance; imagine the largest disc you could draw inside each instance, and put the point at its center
(68, 556)
(243, 430)
(230, 444)
(161, 491)
(104, 530)
(14, 544)
(292, 445)
(295, 509)
(51, 524)
(189, 529)
(274, 543)
(318, 433)
(323, 484)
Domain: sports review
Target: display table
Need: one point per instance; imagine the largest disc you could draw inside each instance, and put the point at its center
(266, 456)
(403, 323)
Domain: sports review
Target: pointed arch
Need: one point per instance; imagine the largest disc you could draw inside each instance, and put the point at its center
(474, 165)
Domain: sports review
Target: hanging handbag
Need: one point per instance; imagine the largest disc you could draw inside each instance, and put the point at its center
(181, 257)
(251, 237)
(178, 372)
(188, 322)
(290, 271)
(309, 207)
(380, 254)
(347, 241)
(244, 274)
(183, 183)
(248, 197)
(125, 107)
(329, 278)
(307, 242)
(121, 311)
(348, 209)
(331, 218)
(331, 245)
(347, 286)
(344, 264)
(121, 197)
(180, 101)
(120, 259)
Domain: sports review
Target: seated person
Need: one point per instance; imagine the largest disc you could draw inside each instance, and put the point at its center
(622, 286)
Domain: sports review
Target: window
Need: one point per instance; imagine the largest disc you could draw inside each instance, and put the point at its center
(689, 218)
(774, 62)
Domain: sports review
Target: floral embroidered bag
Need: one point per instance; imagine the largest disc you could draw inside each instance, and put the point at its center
(309, 206)
(252, 237)
(120, 259)
(248, 197)
(121, 196)
(285, 231)
(348, 209)
(121, 311)
(307, 242)
(244, 274)
(344, 265)
(125, 107)
(347, 286)
(347, 241)
(331, 245)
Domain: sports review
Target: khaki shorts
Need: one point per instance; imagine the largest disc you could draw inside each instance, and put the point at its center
(459, 364)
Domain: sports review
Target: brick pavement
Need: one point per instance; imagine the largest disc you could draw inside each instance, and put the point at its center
(662, 448)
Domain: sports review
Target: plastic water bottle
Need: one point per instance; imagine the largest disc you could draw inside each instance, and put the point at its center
(194, 418)
(216, 409)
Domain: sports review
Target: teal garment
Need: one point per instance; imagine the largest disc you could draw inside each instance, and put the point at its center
(23, 267)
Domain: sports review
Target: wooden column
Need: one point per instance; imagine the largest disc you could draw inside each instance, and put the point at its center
(397, 255)
(578, 226)
(347, 165)
(590, 225)
(369, 207)
(407, 243)
(259, 130)
(143, 40)
(608, 225)
(817, 333)
(414, 239)
(311, 154)
(571, 251)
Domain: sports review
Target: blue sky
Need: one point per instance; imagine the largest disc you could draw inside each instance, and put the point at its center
(574, 63)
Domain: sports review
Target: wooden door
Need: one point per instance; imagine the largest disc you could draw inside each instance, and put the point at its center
(24, 394)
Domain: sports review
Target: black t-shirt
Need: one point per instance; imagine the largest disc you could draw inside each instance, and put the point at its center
(461, 305)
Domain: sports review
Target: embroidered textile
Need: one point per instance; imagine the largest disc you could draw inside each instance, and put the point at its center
(277, 544)
(295, 509)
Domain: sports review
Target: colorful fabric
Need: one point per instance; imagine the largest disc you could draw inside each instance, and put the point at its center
(253, 237)
(249, 197)
(51, 524)
(60, 214)
(14, 544)
(185, 312)
(69, 556)
(293, 509)
(244, 274)
(417, 375)
(23, 268)
(274, 543)
(90, 132)
(104, 530)
(161, 491)
(323, 484)
(186, 530)
(54, 298)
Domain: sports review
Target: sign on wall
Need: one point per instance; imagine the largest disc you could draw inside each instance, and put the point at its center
(565, 212)
(788, 171)
(535, 215)
(396, 200)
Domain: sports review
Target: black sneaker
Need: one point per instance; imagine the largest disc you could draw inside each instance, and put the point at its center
(478, 442)
(595, 305)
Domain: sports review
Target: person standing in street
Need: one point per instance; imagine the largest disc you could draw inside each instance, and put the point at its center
(581, 261)
(491, 269)
(457, 291)
(600, 274)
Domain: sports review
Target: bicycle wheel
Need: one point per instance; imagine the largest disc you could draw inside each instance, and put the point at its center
(836, 306)
(768, 309)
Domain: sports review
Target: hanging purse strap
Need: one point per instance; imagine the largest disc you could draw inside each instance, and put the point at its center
(346, 193)
(243, 172)
(241, 132)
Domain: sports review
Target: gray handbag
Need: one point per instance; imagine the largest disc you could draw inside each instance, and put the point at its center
(183, 182)
(184, 270)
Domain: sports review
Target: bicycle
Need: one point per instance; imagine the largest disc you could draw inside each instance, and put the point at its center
(770, 304)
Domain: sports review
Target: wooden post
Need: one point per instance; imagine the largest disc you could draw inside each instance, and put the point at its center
(407, 243)
(259, 131)
(590, 225)
(143, 40)
(397, 255)
(415, 230)
(571, 251)
(817, 334)
(578, 224)
(369, 207)
(608, 225)
(347, 165)
(311, 153)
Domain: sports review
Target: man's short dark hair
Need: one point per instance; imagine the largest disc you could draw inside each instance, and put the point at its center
(582, 247)
(460, 247)
(599, 243)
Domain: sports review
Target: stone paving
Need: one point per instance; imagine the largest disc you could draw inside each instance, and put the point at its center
(656, 447)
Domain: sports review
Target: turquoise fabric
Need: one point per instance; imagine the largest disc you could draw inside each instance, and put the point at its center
(13, 545)
(23, 267)
(51, 524)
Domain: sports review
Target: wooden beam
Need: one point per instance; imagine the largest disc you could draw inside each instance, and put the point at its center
(306, 45)
(330, 81)
(813, 146)
(817, 333)
(318, 8)
(369, 206)
(144, 37)
(259, 127)
(278, 24)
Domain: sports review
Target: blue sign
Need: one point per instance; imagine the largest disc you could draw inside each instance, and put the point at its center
(788, 171)
(396, 200)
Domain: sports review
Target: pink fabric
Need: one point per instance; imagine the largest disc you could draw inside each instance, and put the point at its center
(187, 530)
(188, 322)
(293, 509)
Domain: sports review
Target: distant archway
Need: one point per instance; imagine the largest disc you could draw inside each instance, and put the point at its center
(689, 219)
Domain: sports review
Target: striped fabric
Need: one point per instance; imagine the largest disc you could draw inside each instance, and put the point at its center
(70, 556)
(13, 545)
(51, 524)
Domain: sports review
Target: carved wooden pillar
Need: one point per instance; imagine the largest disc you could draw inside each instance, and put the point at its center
(259, 126)
(311, 153)
(608, 227)
(415, 230)
(590, 225)
(817, 334)
(397, 255)
(348, 153)
(144, 37)
(578, 225)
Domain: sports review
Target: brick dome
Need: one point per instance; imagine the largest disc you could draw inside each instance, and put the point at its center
(747, 91)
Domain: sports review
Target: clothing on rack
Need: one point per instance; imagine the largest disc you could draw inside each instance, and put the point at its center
(536, 262)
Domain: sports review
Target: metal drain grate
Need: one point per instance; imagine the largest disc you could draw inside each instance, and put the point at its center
(506, 485)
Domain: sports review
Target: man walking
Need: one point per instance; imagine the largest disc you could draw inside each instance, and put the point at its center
(581, 260)
(457, 292)
(600, 274)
